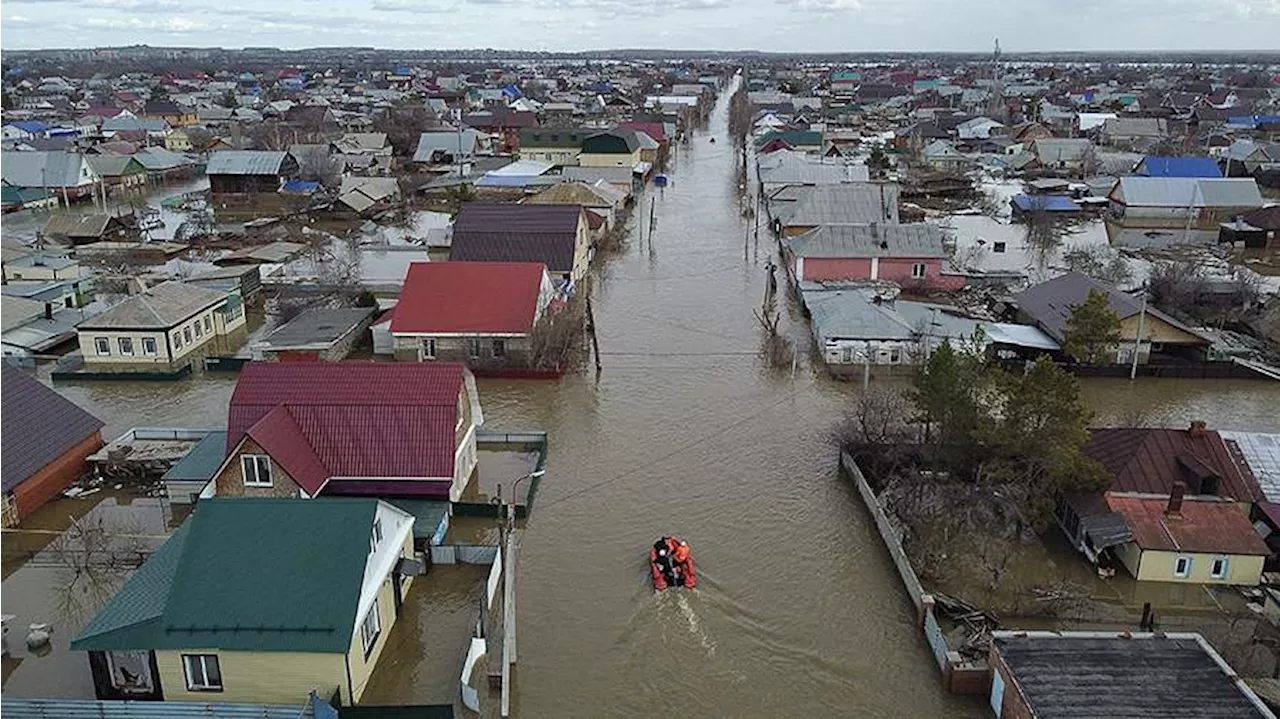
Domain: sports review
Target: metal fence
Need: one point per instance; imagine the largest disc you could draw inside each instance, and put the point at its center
(91, 709)
(463, 554)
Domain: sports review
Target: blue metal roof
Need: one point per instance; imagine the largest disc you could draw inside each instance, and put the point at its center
(1044, 203)
(1153, 166)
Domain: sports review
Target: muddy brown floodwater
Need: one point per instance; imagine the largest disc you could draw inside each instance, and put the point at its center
(687, 431)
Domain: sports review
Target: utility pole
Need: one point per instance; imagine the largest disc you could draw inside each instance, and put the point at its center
(1137, 343)
(595, 340)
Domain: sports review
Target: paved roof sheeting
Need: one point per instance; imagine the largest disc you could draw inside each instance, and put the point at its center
(39, 425)
(245, 162)
(158, 158)
(161, 307)
(517, 233)
(68, 225)
(204, 595)
(1151, 460)
(1157, 166)
(482, 298)
(1171, 676)
(846, 204)
(797, 169)
(1208, 525)
(1261, 452)
(851, 315)
(350, 419)
(316, 327)
(1187, 192)
(919, 240)
(114, 165)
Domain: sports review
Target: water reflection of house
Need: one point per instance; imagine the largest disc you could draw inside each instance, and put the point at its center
(209, 614)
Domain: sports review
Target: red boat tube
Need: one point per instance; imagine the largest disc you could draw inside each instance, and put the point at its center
(667, 570)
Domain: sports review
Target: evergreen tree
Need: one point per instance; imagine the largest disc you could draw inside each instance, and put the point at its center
(1093, 329)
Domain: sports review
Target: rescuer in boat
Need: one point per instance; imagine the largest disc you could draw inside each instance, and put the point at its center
(665, 564)
(681, 553)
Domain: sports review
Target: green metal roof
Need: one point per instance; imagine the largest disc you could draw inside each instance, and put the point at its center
(427, 515)
(248, 575)
(795, 138)
(202, 461)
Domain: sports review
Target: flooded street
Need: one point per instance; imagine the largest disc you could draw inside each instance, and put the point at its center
(688, 431)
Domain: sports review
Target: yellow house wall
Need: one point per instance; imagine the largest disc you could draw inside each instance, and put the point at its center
(592, 159)
(1156, 330)
(256, 677)
(1156, 566)
(362, 668)
(88, 348)
(564, 156)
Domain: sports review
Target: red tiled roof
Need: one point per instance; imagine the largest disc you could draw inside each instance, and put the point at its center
(652, 129)
(469, 297)
(349, 419)
(1151, 460)
(1202, 525)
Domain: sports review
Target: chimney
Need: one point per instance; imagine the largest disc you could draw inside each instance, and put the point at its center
(1175, 499)
(1197, 428)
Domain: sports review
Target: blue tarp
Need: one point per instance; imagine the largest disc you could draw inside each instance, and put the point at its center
(35, 127)
(1044, 203)
(1254, 120)
(1153, 166)
(298, 187)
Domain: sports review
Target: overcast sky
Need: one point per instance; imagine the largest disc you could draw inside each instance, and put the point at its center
(777, 25)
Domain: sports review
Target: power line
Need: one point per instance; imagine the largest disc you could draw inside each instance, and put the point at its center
(664, 457)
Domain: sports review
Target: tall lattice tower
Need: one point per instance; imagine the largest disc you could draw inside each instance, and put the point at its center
(995, 99)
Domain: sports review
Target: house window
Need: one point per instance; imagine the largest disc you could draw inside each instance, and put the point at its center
(917, 271)
(208, 323)
(370, 628)
(428, 349)
(475, 348)
(1219, 568)
(196, 326)
(499, 348)
(186, 334)
(148, 345)
(895, 356)
(130, 672)
(102, 345)
(1182, 567)
(257, 470)
(202, 672)
(126, 345)
(177, 340)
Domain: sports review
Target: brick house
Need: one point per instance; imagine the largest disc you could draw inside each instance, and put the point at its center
(478, 313)
(46, 441)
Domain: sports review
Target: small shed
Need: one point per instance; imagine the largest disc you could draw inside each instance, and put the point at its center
(317, 335)
(249, 171)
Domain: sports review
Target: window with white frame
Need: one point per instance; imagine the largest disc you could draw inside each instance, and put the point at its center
(148, 345)
(1182, 567)
(1219, 568)
(257, 470)
(370, 628)
(918, 271)
(202, 672)
(102, 346)
(428, 349)
(126, 345)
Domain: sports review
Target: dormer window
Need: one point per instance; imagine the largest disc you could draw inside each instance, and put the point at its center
(256, 469)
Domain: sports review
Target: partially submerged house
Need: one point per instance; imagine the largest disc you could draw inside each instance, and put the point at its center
(1181, 204)
(800, 209)
(911, 255)
(317, 334)
(389, 430)
(84, 229)
(46, 440)
(1049, 305)
(211, 614)
(160, 329)
(247, 172)
(479, 313)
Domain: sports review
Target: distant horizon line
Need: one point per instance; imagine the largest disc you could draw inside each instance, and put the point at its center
(678, 51)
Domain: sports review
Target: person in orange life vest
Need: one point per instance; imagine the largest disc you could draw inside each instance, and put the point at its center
(681, 553)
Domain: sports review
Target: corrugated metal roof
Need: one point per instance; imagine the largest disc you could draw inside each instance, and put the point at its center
(920, 240)
(846, 204)
(1156, 166)
(849, 314)
(1261, 451)
(38, 426)
(1202, 525)
(469, 298)
(245, 162)
(201, 461)
(1187, 192)
(42, 169)
(161, 307)
(1150, 460)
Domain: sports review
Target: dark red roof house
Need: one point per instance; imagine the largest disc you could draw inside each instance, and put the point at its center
(46, 440)
(1152, 460)
(480, 313)
(365, 429)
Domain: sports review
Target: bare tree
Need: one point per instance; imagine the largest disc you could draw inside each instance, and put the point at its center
(317, 164)
(94, 557)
